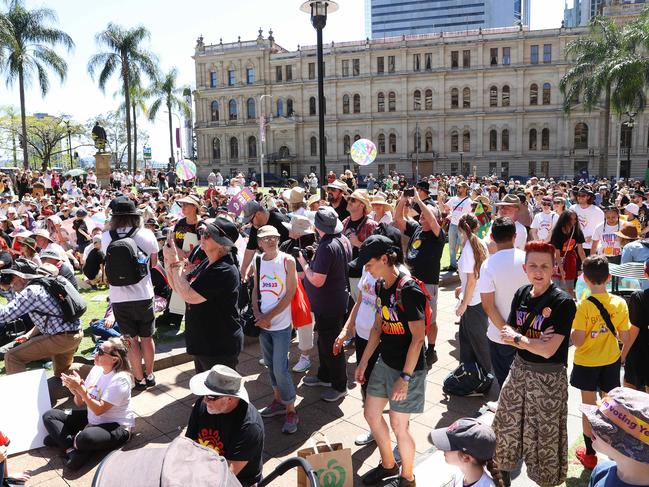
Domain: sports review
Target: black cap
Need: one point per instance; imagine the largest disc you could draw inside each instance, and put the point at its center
(123, 206)
(373, 246)
(467, 435)
(423, 185)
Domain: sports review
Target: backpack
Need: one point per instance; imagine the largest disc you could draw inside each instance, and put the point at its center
(429, 311)
(469, 379)
(126, 264)
(72, 304)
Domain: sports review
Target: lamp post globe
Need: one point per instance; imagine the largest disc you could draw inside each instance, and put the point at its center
(319, 9)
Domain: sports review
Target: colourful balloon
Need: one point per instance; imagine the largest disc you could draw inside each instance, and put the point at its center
(186, 169)
(363, 152)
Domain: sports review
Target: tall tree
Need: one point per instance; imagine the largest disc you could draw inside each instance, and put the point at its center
(166, 93)
(126, 54)
(601, 76)
(28, 43)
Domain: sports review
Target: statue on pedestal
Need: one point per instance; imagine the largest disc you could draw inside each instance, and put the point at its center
(100, 138)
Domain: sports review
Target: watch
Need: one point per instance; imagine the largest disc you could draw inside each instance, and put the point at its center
(405, 377)
(517, 339)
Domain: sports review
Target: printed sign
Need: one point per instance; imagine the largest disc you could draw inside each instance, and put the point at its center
(239, 200)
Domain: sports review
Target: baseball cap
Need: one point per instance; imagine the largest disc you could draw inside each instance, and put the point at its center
(373, 246)
(467, 435)
(250, 209)
(632, 208)
(267, 231)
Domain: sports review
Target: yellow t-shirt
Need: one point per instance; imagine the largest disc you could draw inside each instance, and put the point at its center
(600, 347)
(635, 222)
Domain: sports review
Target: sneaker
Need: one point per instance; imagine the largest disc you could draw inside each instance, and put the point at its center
(262, 362)
(290, 425)
(49, 442)
(302, 365)
(364, 439)
(275, 408)
(492, 406)
(588, 461)
(332, 395)
(140, 385)
(150, 380)
(379, 473)
(77, 459)
(313, 380)
(431, 357)
(400, 482)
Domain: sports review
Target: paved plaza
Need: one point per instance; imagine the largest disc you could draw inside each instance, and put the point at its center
(162, 413)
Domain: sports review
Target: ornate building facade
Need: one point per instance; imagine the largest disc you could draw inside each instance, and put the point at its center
(484, 101)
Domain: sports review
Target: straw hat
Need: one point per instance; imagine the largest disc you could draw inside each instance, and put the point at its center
(628, 232)
(361, 195)
(294, 195)
(312, 199)
(379, 199)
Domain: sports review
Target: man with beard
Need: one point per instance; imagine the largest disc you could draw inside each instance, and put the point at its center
(336, 193)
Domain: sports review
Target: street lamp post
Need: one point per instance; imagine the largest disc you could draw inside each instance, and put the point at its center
(462, 163)
(629, 123)
(262, 135)
(319, 10)
(180, 126)
(417, 144)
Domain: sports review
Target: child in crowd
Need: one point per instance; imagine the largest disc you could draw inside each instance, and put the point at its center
(599, 322)
(619, 428)
(469, 445)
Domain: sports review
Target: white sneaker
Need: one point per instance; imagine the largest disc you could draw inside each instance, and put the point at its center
(262, 362)
(364, 439)
(302, 365)
(492, 406)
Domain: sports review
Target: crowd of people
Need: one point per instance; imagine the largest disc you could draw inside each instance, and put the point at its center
(359, 267)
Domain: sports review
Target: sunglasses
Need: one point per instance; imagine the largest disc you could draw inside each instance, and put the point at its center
(212, 398)
(546, 204)
(101, 351)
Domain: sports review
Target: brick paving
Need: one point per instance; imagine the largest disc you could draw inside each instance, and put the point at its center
(162, 413)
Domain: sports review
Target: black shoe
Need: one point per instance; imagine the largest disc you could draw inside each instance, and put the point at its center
(150, 382)
(379, 473)
(431, 357)
(49, 441)
(76, 459)
(140, 385)
(400, 482)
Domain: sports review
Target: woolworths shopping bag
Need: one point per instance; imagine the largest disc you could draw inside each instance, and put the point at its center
(331, 462)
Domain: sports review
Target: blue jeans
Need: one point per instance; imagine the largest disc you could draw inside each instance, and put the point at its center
(98, 329)
(274, 347)
(453, 243)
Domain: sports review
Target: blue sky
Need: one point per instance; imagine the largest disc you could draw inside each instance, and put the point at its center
(174, 27)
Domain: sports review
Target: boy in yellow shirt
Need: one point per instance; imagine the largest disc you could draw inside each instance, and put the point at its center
(600, 321)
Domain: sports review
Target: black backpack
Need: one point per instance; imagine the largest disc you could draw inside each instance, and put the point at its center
(72, 304)
(126, 264)
(469, 379)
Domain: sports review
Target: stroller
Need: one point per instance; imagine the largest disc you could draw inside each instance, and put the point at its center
(184, 462)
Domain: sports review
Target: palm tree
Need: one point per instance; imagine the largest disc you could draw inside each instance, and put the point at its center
(603, 68)
(138, 97)
(125, 53)
(27, 41)
(165, 92)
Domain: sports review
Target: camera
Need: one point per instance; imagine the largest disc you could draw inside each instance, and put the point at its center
(308, 252)
(409, 192)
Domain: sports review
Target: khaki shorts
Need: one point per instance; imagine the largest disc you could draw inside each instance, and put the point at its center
(382, 380)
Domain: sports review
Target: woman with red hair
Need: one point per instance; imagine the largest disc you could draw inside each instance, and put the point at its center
(531, 419)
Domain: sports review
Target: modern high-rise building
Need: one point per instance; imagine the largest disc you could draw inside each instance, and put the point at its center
(582, 11)
(390, 18)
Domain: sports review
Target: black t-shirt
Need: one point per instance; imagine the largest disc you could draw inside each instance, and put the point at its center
(213, 326)
(182, 228)
(424, 252)
(639, 317)
(78, 226)
(397, 312)
(92, 265)
(553, 308)
(341, 210)
(236, 436)
(275, 219)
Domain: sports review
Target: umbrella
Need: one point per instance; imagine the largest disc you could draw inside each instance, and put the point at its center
(186, 169)
(75, 172)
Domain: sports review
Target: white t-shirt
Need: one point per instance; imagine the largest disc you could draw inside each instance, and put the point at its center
(114, 388)
(272, 284)
(465, 266)
(458, 207)
(608, 243)
(502, 274)
(589, 219)
(544, 223)
(146, 241)
(484, 481)
(91, 179)
(386, 218)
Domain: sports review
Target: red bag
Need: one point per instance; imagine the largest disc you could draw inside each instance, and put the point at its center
(301, 307)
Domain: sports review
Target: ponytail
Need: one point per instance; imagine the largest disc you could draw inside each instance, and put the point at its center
(494, 473)
(468, 224)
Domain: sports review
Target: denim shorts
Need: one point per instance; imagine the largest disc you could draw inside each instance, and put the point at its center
(382, 380)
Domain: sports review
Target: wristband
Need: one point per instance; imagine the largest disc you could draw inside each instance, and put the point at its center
(405, 377)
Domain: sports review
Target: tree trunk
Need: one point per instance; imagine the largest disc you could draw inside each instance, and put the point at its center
(603, 151)
(23, 117)
(134, 139)
(127, 104)
(171, 139)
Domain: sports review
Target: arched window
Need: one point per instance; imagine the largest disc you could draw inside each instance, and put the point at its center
(417, 100)
(454, 141)
(380, 102)
(428, 100)
(232, 109)
(534, 94)
(545, 139)
(532, 139)
(215, 111)
(345, 104)
(393, 143)
(505, 96)
(466, 98)
(493, 140)
(546, 93)
(417, 140)
(454, 97)
(234, 148)
(466, 141)
(312, 105)
(504, 140)
(429, 141)
(381, 144)
(357, 137)
(581, 136)
(216, 149)
(289, 107)
(314, 146)
(357, 103)
(250, 105)
(493, 96)
(392, 101)
(284, 152)
(280, 107)
(347, 145)
(252, 146)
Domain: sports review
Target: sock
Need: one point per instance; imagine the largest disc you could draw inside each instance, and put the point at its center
(589, 445)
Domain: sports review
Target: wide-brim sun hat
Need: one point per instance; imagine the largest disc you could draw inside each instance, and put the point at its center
(337, 184)
(300, 225)
(326, 220)
(361, 196)
(294, 195)
(628, 232)
(220, 380)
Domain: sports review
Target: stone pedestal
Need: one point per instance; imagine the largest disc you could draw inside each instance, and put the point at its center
(102, 168)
